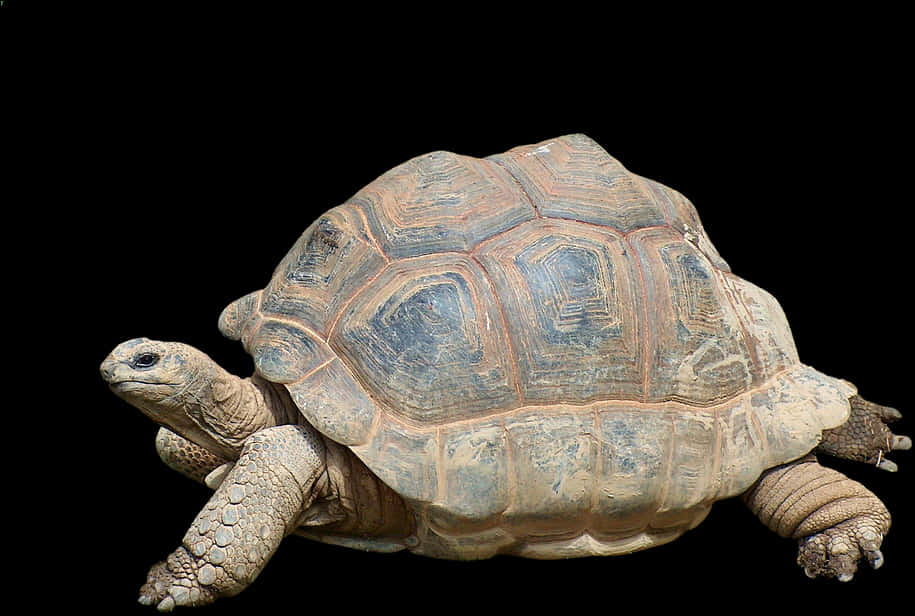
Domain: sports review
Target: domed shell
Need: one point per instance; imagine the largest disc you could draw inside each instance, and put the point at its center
(509, 340)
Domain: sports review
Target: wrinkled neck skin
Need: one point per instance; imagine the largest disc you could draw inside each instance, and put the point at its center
(218, 410)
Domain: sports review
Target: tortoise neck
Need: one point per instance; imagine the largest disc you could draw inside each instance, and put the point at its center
(224, 410)
(240, 407)
(271, 402)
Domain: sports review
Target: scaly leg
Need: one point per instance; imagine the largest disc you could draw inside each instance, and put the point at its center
(836, 521)
(189, 459)
(258, 503)
(865, 437)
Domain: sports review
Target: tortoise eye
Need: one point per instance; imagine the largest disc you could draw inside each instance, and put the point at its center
(145, 360)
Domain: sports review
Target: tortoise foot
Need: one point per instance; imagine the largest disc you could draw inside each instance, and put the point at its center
(174, 582)
(836, 551)
(865, 437)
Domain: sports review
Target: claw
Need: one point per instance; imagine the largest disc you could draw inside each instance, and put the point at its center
(898, 443)
(875, 559)
(836, 551)
(890, 414)
(887, 465)
(166, 605)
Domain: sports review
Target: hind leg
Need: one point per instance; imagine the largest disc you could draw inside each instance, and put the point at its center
(865, 437)
(837, 521)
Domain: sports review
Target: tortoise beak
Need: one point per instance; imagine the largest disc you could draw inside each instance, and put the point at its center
(109, 370)
(112, 372)
(115, 368)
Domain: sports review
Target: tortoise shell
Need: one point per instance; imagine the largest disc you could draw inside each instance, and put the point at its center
(538, 343)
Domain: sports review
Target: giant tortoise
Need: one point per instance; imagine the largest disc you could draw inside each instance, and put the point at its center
(537, 353)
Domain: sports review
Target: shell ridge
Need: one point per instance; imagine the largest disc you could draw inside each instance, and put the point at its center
(747, 342)
(645, 349)
(371, 236)
(523, 190)
(510, 346)
(331, 330)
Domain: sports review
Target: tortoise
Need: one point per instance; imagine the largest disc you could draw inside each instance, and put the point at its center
(537, 353)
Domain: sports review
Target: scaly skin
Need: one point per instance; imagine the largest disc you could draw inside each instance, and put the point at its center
(189, 459)
(836, 521)
(284, 475)
(257, 505)
(865, 437)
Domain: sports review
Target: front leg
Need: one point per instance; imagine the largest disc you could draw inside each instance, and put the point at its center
(836, 521)
(236, 533)
(189, 459)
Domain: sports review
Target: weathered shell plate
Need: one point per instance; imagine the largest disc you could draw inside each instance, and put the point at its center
(326, 267)
(284, 352)
(572, 177)
(610, 469)
(334, 403)
(428, 341)
(571, 300)
(441, 202)
(542, 309)
(554, 311)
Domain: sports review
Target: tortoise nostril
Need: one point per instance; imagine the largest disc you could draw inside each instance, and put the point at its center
(107, 371)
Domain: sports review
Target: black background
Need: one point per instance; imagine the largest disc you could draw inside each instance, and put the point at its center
(167, 172)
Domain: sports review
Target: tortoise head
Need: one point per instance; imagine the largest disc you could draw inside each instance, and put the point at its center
(170, 382)
(181, 388)
(149, 373)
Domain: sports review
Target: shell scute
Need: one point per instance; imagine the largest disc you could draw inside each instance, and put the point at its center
(743, 449)
(693, 476)
(631, 478)
(405, 459)
(441, 202)
(427, 340)
(335, 403)
(574, 178)
(323, 270)
(573, 310)
(284, 353)
(554, 457)
(475, 468)
(767, 328)
(697, 351)
(683, 218)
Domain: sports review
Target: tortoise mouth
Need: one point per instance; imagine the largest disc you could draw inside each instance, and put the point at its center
(132, 385)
